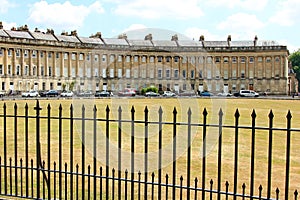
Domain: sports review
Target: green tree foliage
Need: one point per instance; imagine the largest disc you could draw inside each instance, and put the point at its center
(295, 59)
(149, 89)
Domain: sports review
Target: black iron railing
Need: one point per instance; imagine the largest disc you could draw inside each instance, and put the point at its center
(44, 163)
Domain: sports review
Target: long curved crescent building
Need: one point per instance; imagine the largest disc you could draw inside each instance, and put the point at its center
(35, 60)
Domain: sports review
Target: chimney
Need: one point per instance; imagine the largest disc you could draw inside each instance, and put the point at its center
(73, 33)
(1, 25)
(174, 37)
(201, 39)
(122, 36)
(255, 41)
(37, 30)
(148, 37)
(97, 35)
(229, 40)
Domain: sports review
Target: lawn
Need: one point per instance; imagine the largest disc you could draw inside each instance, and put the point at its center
(245, 107)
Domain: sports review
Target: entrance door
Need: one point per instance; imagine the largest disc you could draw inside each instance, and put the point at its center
(176, 88)
(225, 88)
(200, 88)
(250, 86)
(105, 86)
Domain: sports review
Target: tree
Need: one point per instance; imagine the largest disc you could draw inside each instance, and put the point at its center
(295, 59)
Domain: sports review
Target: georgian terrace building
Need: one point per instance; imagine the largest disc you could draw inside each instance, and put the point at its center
(44, 60)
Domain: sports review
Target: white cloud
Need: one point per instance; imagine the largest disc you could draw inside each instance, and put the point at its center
(62, 16)
(287, 14)
(195, 33)
(5, 5)
(241, 25)
(256, 5)
(156, 9)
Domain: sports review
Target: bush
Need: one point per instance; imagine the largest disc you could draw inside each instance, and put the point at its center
(149, 89)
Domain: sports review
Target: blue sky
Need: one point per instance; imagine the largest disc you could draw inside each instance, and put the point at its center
(215, 19)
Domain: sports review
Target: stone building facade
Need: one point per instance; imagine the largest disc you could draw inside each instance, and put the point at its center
(35, 60)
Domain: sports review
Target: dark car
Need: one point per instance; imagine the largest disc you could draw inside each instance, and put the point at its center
(206, 94)
(50, 93)
(102, 94)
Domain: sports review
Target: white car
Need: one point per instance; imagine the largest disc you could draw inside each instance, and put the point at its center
(169, 94)
(66, 94)
(31, 93)
(248, 93)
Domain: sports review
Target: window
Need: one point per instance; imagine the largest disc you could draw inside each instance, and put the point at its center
(159, 73)
(127, 58)
(143, 59)
(259, 59)
(1, 69)
(57, 71)
(34, 71)
(183, 73)
(192, 74)
(151, 59)
(234, 87)
(111, 73)
(135, 73)
(66, 56)
(41, 54)
(96, 72)
(73, 72)
(127, 73)
(226, 59)
(233, 59)
(218, 59)
(184, 86)
(104, 73)
(49, 71)
(103, 58)
(88, 57)
(168, 75)
(49, 54)
(18, 52)
(268, 59)
(225, 74)
(144, 72)
(209, 59)
(184, 59)
(9, 52)
(81, 56)
(9, 69)
(168, 59)
(242, 73)
(73, 56)
(251, 60)
(243, 59)
(176, 59)
(176, 74)
(201, 60)
(57, 55)
(1, 52)
(119, 73)
(159, 59)
(112, 58)
(18, 70)
(26, 53)
(208, 73)
(218, 87)
(136, 58)
(26, 70)
(200, 74)
(250, 74)
(42, 70)
(217, 73)
(151, 75)
(34, 53)
(192, 60)
(277, 59)
(233, 73)
(120, 58)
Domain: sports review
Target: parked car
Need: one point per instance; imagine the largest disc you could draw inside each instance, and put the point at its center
(151, 94)
(224, 94)
(187, 93)
(206, 94)
(127, 92)
(85, 93)
(66, 94)
(169, 94)
(248, 93)
(3, 93)
(50, 93)
(31, 93)
(102, 94)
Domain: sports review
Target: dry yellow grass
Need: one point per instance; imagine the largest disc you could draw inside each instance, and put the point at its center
(229, 106)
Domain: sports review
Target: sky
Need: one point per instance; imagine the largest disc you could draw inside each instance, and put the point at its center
(277, 20)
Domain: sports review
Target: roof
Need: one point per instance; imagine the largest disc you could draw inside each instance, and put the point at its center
(19, 34)
(2, 33)
(164, 43)
(43, 36)
(144, 43)
(115, 41)
(88, 40)
(188, 43)
(67, 38)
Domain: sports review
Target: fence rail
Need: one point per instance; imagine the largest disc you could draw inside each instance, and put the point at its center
(43, 157)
